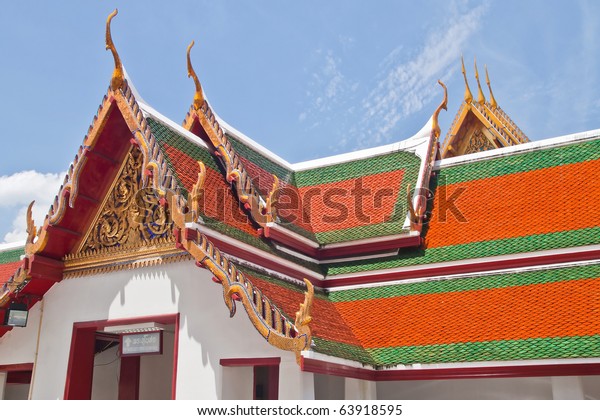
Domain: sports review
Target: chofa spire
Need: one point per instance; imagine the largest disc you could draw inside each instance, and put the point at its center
(468, 94)
(118, 76)
(493, 102)
(444, 105)
(199, 95)
(480, 96)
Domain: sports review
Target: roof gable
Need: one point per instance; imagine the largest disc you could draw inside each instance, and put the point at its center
(480, 124)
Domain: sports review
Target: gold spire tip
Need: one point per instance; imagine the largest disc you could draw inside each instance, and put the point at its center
(493, 102)
(480, 96)
(118, 76)
(199, 95)
(468, 95)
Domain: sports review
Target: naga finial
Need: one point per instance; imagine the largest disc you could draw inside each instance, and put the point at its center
(303, 318)
(444, 105)
(198, 96)
(31, 230)
(468, 94)
(198, 191)
(493, 102)
(118, 76)
(270, 208)
(480, 97)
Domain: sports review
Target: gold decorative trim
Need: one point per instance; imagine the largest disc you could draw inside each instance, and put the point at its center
(118, 75)
(235, 172)
(268, 320)
(69, 189)
(130, 214)
(152, 253)
(155, 169)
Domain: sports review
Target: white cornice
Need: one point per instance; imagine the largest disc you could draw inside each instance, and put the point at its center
(518, 149)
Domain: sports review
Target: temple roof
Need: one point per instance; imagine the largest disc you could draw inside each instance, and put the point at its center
(542, 313)
(503, 204)
(490, 255)
(10, 260)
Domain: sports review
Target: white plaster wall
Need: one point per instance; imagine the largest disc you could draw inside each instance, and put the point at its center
(591, 387)
(467, 389)
(18, 345)
(16, 392)
(156, 372)
(239, 383)
(329, 387)
(105, 383)
(3, 376)
(206, 332)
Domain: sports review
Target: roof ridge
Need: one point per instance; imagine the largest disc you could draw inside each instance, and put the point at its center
(259, 208)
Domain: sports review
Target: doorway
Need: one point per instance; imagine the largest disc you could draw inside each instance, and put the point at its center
(99, 368)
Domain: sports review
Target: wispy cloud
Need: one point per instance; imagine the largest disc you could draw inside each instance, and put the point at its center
(405, 87)
(327, 89)
(18, 190)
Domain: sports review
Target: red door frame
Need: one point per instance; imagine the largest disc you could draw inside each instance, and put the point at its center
(18, 373)
(78, 384)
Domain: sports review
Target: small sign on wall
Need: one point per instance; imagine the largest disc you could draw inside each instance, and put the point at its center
(141, 343)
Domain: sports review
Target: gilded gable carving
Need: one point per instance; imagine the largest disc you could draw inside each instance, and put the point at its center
(131, 214)
(479, 143)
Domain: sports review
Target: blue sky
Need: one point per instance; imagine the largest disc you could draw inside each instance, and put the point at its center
(305, 79)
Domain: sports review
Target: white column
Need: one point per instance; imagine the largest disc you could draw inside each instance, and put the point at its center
(567, 388)
(3, 376)
(358, 389)
(295, 384)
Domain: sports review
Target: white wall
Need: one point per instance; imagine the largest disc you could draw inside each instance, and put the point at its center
(3, 376)
(105, 383)
(16, 392)
(156, 372)
(239, 383)
(591, 387)
(467, 389)
(18, 345)
(206, 332)
(329, 387)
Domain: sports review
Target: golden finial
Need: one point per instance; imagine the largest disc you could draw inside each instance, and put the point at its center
(480, 97)
(468, 95)
(198, 96)
(444, 105)
(493, 102)
(118, 76)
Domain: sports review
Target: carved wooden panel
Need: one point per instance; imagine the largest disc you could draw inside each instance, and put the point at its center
(478, 143)
(131, 214)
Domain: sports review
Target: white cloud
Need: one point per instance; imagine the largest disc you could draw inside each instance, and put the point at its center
(327, 89)
(18, 190)
(405, 87)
